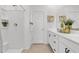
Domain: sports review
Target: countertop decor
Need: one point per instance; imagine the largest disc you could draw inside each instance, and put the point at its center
(66, 26)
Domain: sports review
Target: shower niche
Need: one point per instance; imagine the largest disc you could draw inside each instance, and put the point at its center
(3, 23)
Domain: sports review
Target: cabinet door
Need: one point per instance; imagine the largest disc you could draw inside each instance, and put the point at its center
(53, 41)
(68, 43)
(65, 49)
(50, 39)
(55, 44)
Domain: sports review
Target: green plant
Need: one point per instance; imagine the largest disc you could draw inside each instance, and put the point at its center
(62, 25)
(68, 22)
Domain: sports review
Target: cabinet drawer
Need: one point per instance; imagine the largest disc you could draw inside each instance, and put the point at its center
(52, 35)
(74, 46)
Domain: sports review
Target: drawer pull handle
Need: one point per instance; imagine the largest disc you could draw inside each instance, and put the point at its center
(67, 50)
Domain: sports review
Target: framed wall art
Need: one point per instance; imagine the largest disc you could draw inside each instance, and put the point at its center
(50, 18)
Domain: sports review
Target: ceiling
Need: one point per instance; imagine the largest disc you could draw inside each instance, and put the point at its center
(12, 7)
(49, 8)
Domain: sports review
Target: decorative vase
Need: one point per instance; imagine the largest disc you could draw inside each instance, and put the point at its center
(67, 29)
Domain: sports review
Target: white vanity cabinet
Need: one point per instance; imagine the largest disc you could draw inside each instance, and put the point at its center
(50, 39)
(61, 44)
(53, 41)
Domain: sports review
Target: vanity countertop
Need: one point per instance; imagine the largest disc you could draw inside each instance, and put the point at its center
(73, 36)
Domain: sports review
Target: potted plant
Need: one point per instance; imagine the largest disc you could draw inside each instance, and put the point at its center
(68, 25)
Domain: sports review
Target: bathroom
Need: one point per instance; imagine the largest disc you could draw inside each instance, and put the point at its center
(27, 26)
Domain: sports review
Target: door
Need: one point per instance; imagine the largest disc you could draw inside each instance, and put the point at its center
(15, 29)
(37, 26)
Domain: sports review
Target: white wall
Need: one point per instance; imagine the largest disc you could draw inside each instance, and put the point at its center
(1, 13)
(52, 24)
(72, 12)
(27, 33)
(62, 10)
(52, 10)
(0, 42)
(3, 31)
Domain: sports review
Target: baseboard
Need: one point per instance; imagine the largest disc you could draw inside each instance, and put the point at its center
(27, 47)
(39, 43)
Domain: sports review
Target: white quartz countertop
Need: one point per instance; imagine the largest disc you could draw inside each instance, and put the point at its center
(74, 35)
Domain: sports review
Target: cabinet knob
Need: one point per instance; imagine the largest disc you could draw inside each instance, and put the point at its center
(49, 35)
(54, 41)
(67, 50)
(54, 35)
(54, 50)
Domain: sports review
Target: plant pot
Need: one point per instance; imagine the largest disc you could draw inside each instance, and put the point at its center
(67, 29)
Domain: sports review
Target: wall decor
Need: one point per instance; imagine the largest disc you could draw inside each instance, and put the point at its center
(50, 18)
(62, 18)
(3, 23)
